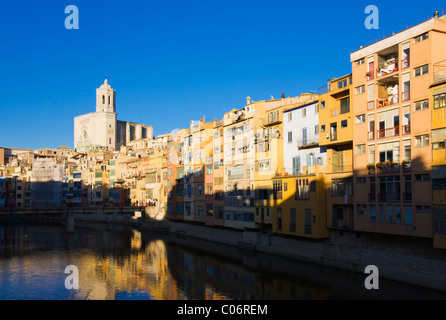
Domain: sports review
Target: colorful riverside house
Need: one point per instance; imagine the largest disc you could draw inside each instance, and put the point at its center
(200, 151)
(216, 218)
(240, 129)
(176, 174)
(438, 92)
(214, 174)
(269, 160)
(336, 135)
(391, 137)
(299, 196)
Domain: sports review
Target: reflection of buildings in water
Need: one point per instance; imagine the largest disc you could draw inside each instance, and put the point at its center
(136, 240)
(143, 270)
(205, 277)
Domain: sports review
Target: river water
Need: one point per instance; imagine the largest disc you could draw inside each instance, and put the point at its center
(116, 263)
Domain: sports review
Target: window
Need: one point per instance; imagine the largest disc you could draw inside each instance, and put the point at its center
(296, 165)
(422, 141)
(421, 70)
(423, 209)
(389, 188)
(292, 220)
(360, 89)
(279, 218)
(407, 150)
(304, 112)
(360, 149)
(389, 151)
(422, 105)
(290, 116)
(360, 118)
(361, 208)
(408, 214)
(302, 189)
(422, 37)
(343, 83)
(344, 124)
(389, 214)
(341, 187)
(361, 180)
(422, 177)
(290, 137)
(277, 189)
(345, 105)
(373, 213)
(398, 214)
(440, 101)
(333, 131)
(439, 184)
(322, 104)
(372, 154)
(359, 62)
(313, 186)
(323, 128)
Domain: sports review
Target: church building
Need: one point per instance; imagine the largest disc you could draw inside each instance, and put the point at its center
(102, 130)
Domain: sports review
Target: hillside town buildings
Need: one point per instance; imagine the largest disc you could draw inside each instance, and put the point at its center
(362, 160)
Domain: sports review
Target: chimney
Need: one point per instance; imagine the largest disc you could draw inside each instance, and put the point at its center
(248, 100)
(436, 13)
(283, 95)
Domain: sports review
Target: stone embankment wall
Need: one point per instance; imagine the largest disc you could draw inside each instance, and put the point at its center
(408, 268)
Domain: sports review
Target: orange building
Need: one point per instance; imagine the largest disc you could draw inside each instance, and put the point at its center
(392, 131)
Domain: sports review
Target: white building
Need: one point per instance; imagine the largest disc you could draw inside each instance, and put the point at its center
(101, 129)
(301, 149)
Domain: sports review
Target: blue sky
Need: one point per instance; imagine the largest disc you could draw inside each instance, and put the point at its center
(173, 61)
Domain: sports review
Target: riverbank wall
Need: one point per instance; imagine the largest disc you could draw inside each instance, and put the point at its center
(415, 269)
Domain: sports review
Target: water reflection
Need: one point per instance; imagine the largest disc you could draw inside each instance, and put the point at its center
(128, 264)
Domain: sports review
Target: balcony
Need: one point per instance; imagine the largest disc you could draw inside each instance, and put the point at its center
(390, 66)
(371, 105)
(389, 132)
(371, 135)
(372, 197)
(388, 167)
(308, 142)
(389, 197)
(387, 101)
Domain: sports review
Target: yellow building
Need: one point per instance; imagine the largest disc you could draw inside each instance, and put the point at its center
(438, 90)
(298, 199)
(299, 205)
(336, 135)
(269, 158)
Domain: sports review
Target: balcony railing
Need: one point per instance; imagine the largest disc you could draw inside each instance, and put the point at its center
(372, 197)
(387, 69)
(309, 141)
(371, 105)
(389, 132)
(405, 96)
(387, 101)
(405, 63)
(389, 197)
(406, 129)
(371, 135)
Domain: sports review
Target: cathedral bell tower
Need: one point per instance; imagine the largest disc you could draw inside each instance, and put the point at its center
(105, 98)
